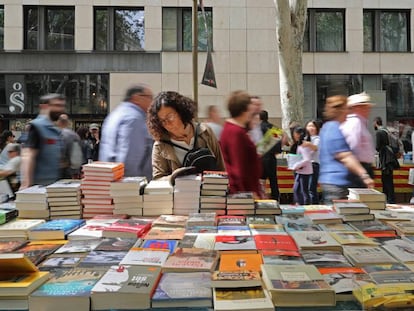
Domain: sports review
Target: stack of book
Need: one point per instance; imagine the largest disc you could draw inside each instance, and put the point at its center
(127, 195)
(19, 277)
(32, 203)
(18, 229)
(158, 198)
(374, 199)
(56, 229)
(241, 203)
(267, 207)
(187, 194)
(213, 192)
(352, 210)
(95, 187)
(64, 198)
(8, 212)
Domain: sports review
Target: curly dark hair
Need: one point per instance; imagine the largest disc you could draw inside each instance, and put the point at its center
(184, 107)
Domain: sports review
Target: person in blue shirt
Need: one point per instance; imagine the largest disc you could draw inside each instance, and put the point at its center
(125, 137)
(338, 165)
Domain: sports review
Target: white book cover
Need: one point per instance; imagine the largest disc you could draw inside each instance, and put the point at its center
(145, 257)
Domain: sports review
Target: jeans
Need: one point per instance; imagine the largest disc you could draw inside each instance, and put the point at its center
(333, 192)
(301, 189)
(313, 185)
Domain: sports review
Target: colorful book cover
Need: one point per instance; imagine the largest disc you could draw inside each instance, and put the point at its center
(258, 220)
(38, 252)
(137, 226)
(231, 220)
(76, 282)
(160, 244)
(240, 262)
(165, 233)
(171, 220)
(64, 225)
(60, 262)
(78, 246)
(232, 242)
(10, 246)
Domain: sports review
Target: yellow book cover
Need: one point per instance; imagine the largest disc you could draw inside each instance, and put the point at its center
(19, 276)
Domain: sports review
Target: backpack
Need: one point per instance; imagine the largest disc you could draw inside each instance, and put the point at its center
(200, 158)
(76, 155)
(395, 143)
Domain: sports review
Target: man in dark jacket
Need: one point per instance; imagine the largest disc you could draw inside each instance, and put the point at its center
(269, 161)
(387, 160)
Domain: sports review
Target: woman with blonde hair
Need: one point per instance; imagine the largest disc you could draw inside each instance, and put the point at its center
(338, 165)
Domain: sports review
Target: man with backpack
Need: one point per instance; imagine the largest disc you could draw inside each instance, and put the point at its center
(388, 149)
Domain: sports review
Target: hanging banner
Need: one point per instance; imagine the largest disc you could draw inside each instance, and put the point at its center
(209, 77)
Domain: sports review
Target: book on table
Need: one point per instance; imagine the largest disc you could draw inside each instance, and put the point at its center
(125, 287)
(352, 238)
(66, 291)
(240, 262)
(194, 290)
(145, 257)
(345, 207)
(243, 299)
(18, 228)
(56, 229)
(10, 246)
(37, 251)
(313, 240)
(19, 276)
(287, 282)
(191, 260)
(235, 279)
(366, 195)
(366, 255)
(215, 177)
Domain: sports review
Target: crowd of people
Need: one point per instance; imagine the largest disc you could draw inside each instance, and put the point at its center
(155, 135)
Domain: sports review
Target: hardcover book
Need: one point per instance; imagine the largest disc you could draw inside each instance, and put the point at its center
(191, 260)
(56, 229)
(65, 291)
(194, 290)
(125, 287)
(287, 282)
(145, 257)
(248, 298)
(19, 276)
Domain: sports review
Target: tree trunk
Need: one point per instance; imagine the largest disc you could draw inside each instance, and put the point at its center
(290, 27)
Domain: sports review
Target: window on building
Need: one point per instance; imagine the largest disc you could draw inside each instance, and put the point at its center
(386, 30)
(1, 27)
(49, 28)
(87, 94)
(119, 29)
(325, 31)
(177, 34)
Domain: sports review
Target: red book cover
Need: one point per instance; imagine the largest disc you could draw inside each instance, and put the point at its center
(130, 225)
(231, 220)
(275, 242)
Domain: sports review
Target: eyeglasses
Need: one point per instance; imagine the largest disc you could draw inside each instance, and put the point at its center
(169, 119)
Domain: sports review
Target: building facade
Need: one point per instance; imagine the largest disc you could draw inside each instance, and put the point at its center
(92, 50)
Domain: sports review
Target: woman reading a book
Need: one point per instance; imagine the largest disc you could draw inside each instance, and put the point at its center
(338, 165)
(171, 124)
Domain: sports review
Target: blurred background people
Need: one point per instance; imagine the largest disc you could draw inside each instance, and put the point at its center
(41, 155)
(214, 120)
(269, 161)
(387, 159)
(6, 138)
(338, 166)
(94, 139)
(303, 168)
(125, 137)
(171, 124)
(71, 153)
(357, 135)
(83, 133)
(11, 170)
(242, 162)
(312, 131)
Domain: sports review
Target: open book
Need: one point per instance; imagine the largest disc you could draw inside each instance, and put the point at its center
(292, 159)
